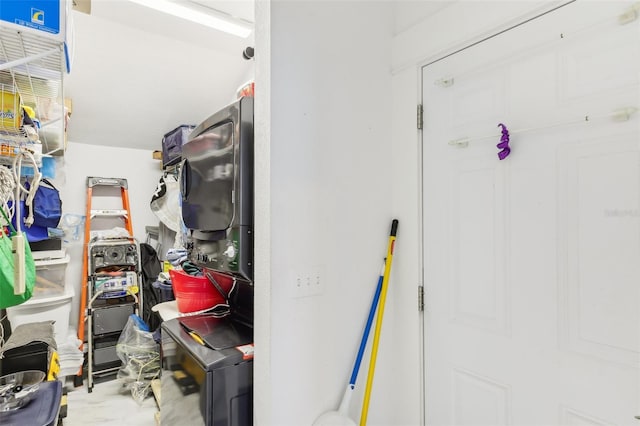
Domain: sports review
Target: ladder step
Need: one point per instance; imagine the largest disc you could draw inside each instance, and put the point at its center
(100, 181)
(115, 212)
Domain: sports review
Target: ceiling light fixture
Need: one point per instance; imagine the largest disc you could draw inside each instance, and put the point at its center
(219, 23)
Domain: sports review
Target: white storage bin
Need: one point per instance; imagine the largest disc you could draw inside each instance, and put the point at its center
(39, 255)
(50, 277)
(54, 308)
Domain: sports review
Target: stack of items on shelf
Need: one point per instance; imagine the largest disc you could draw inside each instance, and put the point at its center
(35, 124)
(35, 208)
(34, 57)
(52, 295)
(165, 202)
(18, 124)
(50, 300)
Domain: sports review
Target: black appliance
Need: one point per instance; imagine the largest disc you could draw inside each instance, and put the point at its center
(207, 376)
(216, 183)
(207, 373)
(116, 253)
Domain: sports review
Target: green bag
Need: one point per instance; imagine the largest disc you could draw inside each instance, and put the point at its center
(7, 296)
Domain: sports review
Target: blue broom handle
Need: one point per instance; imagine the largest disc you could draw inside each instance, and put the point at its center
(365, 336)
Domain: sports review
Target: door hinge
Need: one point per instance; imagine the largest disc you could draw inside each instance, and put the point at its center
(420, 116)
(420, 298)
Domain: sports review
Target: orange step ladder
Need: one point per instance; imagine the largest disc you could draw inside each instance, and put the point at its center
(125, 215)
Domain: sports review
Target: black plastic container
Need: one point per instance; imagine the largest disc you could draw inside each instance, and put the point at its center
(172, 144)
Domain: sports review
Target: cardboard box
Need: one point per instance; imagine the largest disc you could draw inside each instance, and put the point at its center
(83, 6)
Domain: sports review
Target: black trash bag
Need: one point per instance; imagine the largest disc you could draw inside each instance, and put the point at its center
(151, 267)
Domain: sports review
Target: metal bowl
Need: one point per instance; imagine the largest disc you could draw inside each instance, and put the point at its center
(17, 389)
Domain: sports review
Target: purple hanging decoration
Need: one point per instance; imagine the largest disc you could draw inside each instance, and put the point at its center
(505, 150)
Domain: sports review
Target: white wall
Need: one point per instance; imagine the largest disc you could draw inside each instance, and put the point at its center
(130, 84)
(413, 12)
(262, 329)
(82, 160)
(329, 146)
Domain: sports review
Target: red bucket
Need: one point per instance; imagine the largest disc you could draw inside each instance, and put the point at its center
(197, 293)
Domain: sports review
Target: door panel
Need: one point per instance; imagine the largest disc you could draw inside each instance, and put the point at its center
(532, 264)
(599, 201)
(478, 298)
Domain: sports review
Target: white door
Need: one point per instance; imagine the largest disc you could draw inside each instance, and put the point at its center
(532, 264)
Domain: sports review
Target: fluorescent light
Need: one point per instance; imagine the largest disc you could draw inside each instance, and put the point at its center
(175, 9)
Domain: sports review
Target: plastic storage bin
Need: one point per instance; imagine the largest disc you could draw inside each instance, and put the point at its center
(50, 277)
(53, 308)
(172, 144)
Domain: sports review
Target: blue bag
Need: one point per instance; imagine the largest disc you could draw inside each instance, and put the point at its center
(47, 205)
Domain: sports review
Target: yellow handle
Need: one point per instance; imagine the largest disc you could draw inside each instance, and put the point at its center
(197, 338)
(376, 335)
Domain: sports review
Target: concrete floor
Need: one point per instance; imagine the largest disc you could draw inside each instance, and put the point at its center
(108, 405)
